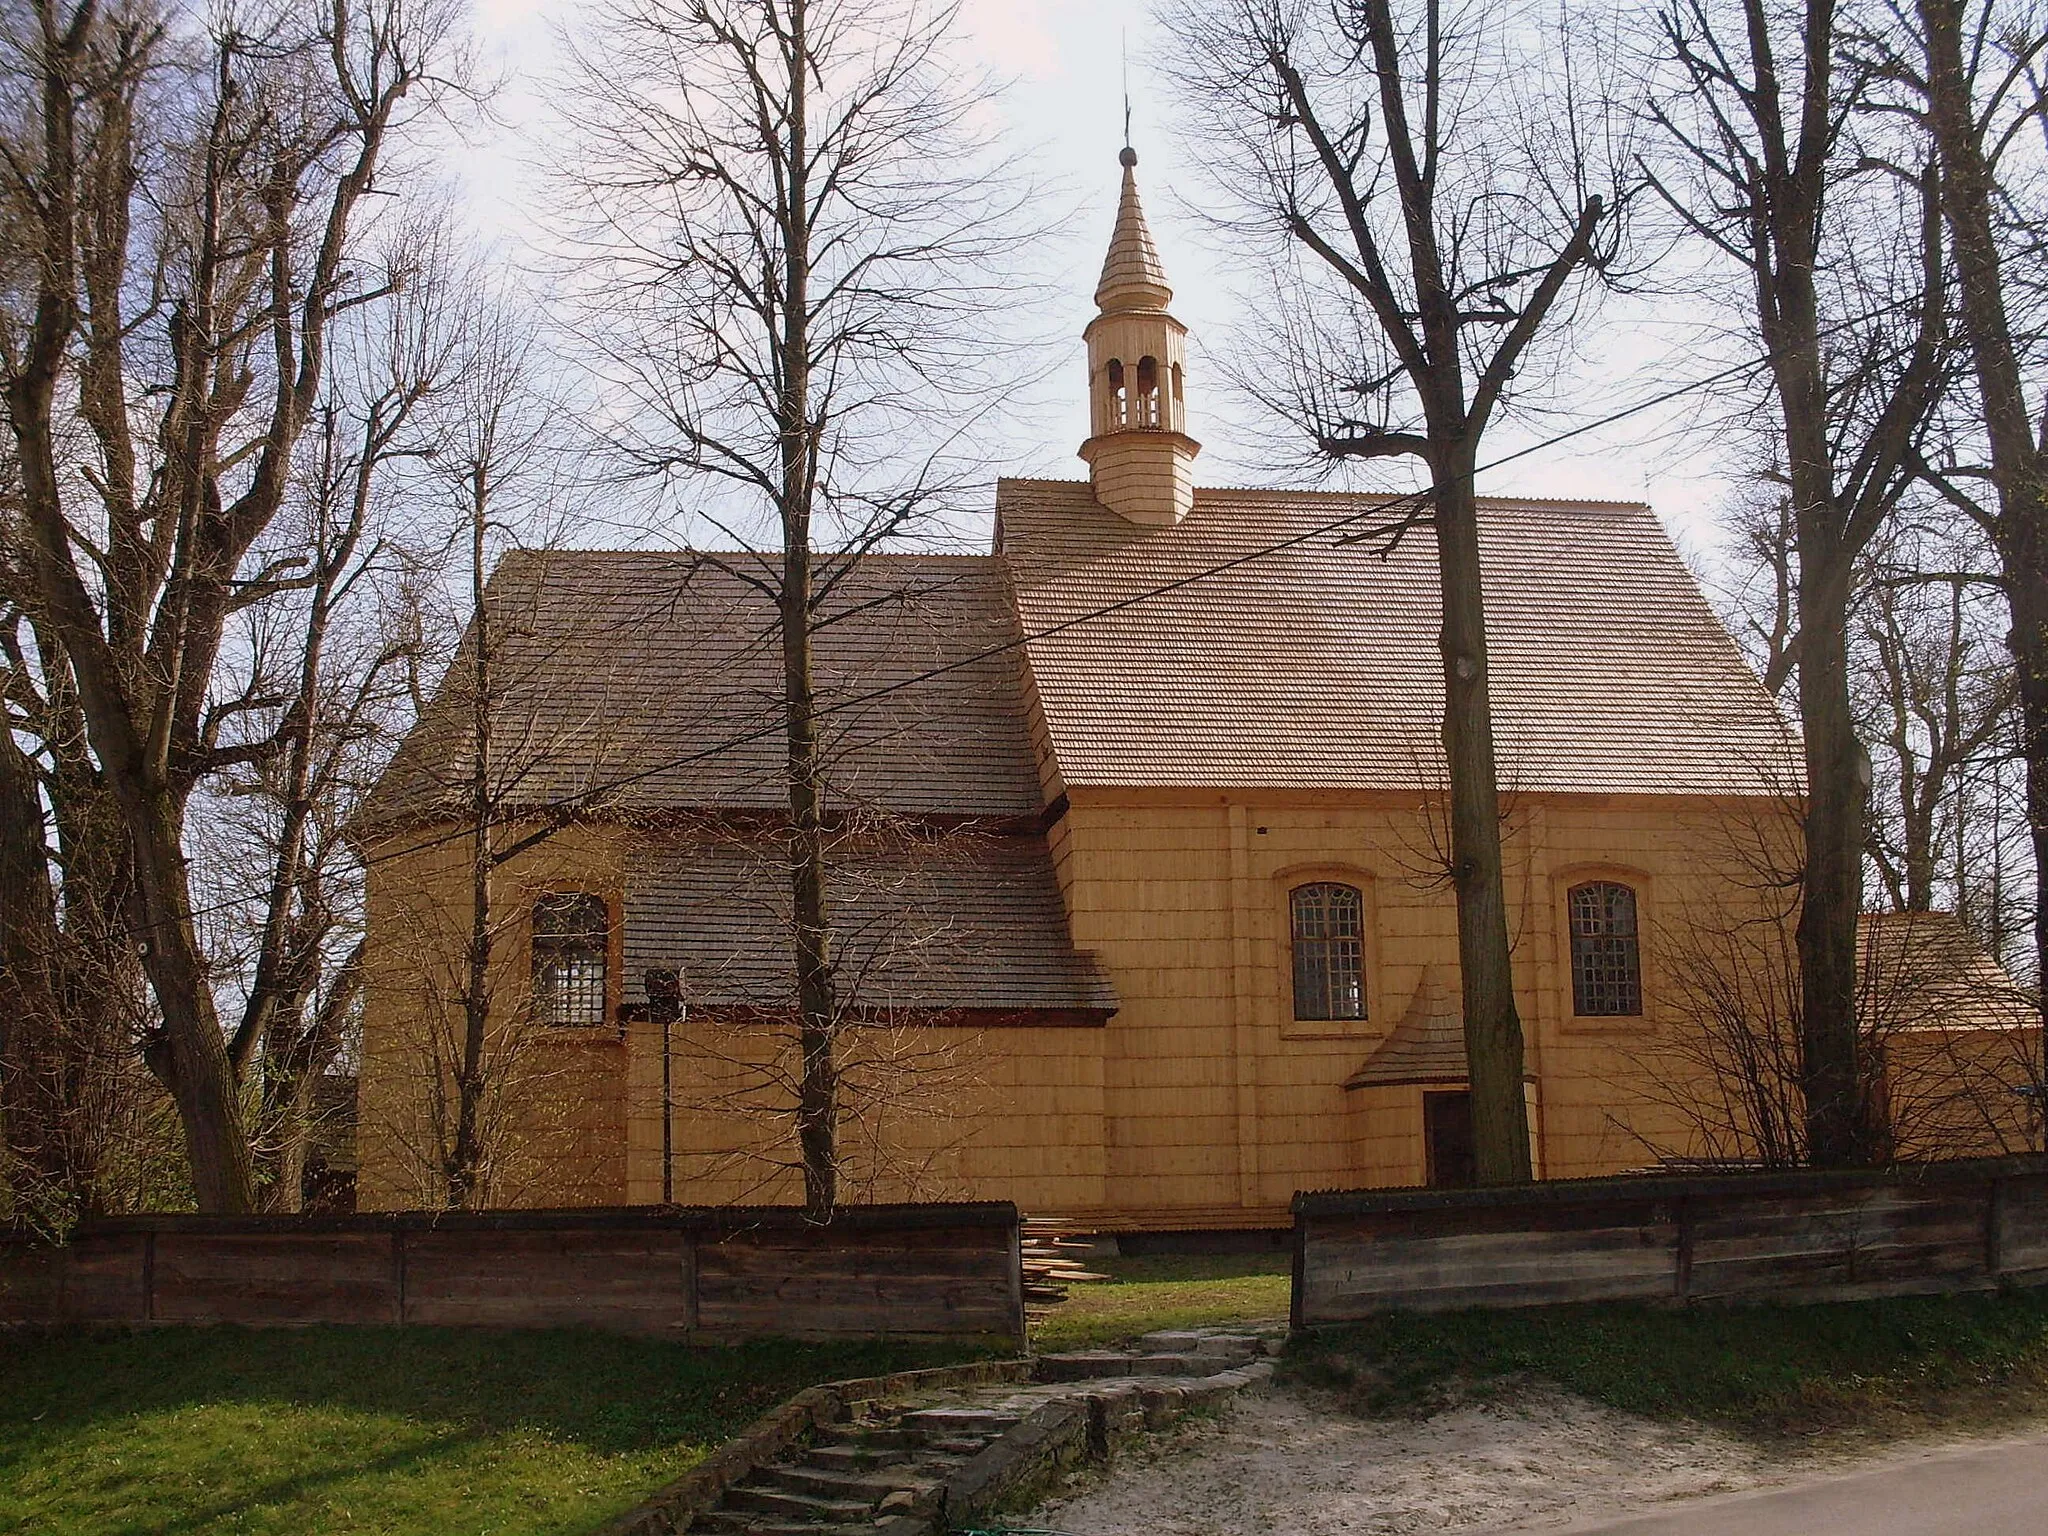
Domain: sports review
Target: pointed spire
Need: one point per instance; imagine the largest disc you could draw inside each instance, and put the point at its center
(1132, 278)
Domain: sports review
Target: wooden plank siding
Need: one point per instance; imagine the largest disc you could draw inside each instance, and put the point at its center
(1203, 1102)
(627, 1282)
(1808, 1236)
(717, 1275)
(269, 1278)
(954, 1279)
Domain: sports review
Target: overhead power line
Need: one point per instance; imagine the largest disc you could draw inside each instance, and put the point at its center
(566, 808)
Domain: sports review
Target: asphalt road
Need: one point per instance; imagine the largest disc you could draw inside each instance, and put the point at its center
(1995, 1490)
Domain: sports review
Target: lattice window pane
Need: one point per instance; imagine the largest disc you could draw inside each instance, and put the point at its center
(570, 933)
(1329, 952)
(1607, 970)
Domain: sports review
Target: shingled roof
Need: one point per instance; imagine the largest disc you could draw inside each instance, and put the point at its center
(1317, 666)
(641, 682)
(963, 922)
(1427, 1046)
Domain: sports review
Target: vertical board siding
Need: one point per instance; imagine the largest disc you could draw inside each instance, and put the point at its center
(1759, 1237)
(924, 1272)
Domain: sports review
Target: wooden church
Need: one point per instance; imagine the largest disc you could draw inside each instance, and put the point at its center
(1137, 825)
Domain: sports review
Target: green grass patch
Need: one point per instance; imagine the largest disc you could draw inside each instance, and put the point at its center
(1851, 1369)
(1165, 1291)
(419, 1430)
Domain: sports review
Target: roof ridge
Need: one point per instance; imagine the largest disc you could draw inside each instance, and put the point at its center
(678, 554)
(1313, 493)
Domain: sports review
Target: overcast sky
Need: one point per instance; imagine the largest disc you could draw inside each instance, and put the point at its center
(1063, 114)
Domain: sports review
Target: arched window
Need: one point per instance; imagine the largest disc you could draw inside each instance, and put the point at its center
(570, 933)
(1148, 392)
(1118, 405)
(1328, 923)
(1180, 415)
(1607, 961)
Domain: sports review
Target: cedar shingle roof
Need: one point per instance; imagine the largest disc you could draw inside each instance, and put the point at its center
(1927, 971)
(1318, 666)
(1132, 275)
(652, 665)
(961, 922)
(1427, 1046)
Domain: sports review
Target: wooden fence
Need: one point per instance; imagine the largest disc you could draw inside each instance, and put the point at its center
(717, 1275)
(1807, 1236)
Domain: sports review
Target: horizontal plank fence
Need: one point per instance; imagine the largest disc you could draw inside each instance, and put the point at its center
(717, 1274)
(1800, 1236)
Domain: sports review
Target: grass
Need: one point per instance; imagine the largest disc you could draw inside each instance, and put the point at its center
(367, 1429)
(1165, 1291)
(1845, 1370)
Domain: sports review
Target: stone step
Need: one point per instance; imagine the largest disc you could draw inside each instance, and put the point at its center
(854, 1456)
(953, 1423)
(831, 1483)
(1088, 1365)
(876, 1437)
(736, 1522)
(753, 1497)
(1176, 1341)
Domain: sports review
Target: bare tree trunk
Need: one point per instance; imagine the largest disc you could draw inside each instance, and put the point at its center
(1831, 878)
(30, 1016)
(1765, 125)
(1493, 1027)
(818, 1094)
(289, 1081)
(791, 218)
(466, 1155)
(2019, 464)
(236, 327)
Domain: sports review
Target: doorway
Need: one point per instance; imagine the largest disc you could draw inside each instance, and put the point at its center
(1447, 1138)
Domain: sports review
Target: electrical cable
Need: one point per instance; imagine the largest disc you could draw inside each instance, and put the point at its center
(565, 808)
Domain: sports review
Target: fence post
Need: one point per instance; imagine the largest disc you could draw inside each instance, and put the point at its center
(1300, 1271)
(1682, 1276)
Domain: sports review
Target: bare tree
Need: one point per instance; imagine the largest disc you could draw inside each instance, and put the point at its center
(1943, 1033)
(494, 440)
(1780, 168)
(788, 266)
(1439, 171)
(1978, 82)
(1934, 693)
(192, 196)
(325, 678)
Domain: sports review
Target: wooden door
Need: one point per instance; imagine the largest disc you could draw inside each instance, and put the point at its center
(1447, 1134)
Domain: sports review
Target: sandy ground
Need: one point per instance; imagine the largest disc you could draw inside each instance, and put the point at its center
(1284, 1460)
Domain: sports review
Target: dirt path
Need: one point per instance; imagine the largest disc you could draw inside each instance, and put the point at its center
(1287, 1461)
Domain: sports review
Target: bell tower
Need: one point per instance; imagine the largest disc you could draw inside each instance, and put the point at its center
(1139, 455)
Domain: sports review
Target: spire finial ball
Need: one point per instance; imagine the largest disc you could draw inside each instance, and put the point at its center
(1127, 157)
